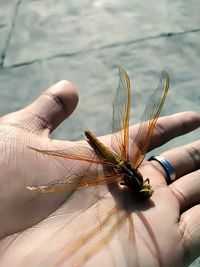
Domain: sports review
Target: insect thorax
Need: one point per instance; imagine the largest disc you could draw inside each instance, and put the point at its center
(131, 178)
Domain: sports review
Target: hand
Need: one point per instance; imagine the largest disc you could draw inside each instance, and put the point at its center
(63, 228)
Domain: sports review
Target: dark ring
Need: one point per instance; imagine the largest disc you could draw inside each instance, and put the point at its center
(166, 166)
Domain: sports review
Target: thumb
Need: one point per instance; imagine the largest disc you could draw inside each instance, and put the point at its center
(50, 109)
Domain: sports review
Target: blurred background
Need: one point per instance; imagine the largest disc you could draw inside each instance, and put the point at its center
(44, 41)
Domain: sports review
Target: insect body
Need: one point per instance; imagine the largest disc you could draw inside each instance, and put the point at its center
(130, 177)
(122, 159)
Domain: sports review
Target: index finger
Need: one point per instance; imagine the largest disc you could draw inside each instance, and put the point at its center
(167, 128)
(170, 127)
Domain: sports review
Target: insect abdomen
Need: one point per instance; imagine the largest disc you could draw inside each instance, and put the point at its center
(104, 151)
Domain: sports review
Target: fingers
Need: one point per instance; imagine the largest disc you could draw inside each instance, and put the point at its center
(187, 190)
(190, 228)
(185, 161)
(52, 107)
(172, 126)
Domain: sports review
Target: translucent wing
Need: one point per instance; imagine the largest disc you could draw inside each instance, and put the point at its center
(73, 182)
(153, 108)
(121, 114)
(80, 153)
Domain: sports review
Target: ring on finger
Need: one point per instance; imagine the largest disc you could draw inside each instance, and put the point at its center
(171, 175)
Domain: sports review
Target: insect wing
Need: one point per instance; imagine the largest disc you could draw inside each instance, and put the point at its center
(152, 111)
(93, 177)
(80, 153)
(72, 182)
(121, 114)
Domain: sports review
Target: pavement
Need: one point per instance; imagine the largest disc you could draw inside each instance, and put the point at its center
(42, 42)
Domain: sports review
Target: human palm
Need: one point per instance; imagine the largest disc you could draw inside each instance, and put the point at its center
(93, 225)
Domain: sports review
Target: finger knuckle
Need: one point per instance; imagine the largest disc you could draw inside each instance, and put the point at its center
(194, 154)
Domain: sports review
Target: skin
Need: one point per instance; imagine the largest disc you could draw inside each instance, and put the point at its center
(50, 229)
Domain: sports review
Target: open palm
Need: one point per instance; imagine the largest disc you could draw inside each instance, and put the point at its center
(98, 224)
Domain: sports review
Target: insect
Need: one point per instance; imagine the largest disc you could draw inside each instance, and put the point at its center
(122, 161)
